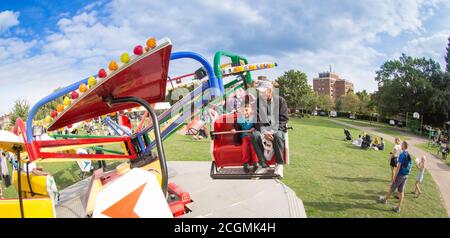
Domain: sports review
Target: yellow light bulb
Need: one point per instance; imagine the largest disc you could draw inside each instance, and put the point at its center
(92, 81)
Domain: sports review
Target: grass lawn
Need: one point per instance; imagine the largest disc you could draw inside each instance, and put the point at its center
(336, 179)
(433, 150)
(183, 148)
(379, 127)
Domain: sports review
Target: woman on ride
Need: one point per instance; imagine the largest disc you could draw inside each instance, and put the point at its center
(245, 123)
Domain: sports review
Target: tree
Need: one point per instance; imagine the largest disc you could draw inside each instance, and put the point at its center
(45, 110)
(325, 102)
(348, 103)
(312, 101)
(365, 103)
(405, 85)
(295, 89)
(20, 109)
(437, 108)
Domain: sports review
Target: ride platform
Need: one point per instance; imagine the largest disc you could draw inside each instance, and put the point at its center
(254, 198)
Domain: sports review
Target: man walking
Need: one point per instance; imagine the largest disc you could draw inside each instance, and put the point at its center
(404, 168)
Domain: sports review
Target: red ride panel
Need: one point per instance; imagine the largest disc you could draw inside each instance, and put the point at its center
(144, 78)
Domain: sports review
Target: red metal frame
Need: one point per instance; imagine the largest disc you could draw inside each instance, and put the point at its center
(142, 122)
(58, 143)
(178, 207)
(34, 148)
(68, 142)
(182, 76)
(19, 128)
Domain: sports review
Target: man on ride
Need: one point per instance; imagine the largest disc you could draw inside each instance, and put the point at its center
(272, 117)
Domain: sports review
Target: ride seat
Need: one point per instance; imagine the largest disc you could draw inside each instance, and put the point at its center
(226, 151)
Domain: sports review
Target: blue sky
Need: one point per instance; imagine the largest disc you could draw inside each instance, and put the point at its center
(48, 44)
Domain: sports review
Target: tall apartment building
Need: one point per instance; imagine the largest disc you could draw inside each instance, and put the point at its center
(330, 84)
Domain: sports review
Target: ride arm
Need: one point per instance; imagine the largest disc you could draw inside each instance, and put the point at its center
(235, 59)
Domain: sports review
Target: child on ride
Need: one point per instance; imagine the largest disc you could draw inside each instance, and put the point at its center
(245, 123)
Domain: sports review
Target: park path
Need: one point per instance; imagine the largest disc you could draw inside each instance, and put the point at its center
(435, 166)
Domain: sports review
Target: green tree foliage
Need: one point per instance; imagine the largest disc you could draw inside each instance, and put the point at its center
(295, 89)
(325, 102)
(19, 110)
(437, 108)
(365, 103)
(45, 110)
(348, 103)
(412, 85)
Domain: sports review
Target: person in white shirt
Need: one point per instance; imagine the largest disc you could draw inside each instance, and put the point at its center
(4, 171)
(420, 163)
(358, 141)
(394, 157)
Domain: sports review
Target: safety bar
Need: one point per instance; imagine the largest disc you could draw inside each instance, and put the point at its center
(229, 132)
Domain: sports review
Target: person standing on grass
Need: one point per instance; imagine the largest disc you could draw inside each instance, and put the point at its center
(2, 165)
(403, 170)
(394, 157)
(420, 163)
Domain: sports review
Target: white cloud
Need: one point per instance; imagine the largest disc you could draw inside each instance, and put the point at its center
(8, 19)
(357, 67)
(35, 77)
(431, 46)
(13, 49)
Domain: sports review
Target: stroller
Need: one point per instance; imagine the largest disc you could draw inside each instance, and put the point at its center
(367, 141)
(348, 136)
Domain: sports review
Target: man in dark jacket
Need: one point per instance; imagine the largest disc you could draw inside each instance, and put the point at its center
(272, 118)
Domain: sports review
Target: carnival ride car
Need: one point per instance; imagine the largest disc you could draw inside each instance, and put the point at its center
(225, 152)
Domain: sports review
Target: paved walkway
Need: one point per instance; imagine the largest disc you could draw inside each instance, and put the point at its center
(435, 166)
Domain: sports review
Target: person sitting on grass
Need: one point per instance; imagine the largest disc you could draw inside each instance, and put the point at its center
(420, 163)
(404, 168)
(358, 141)
(381, 145)
(375, 143)
(367, 141)
(245, 122)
